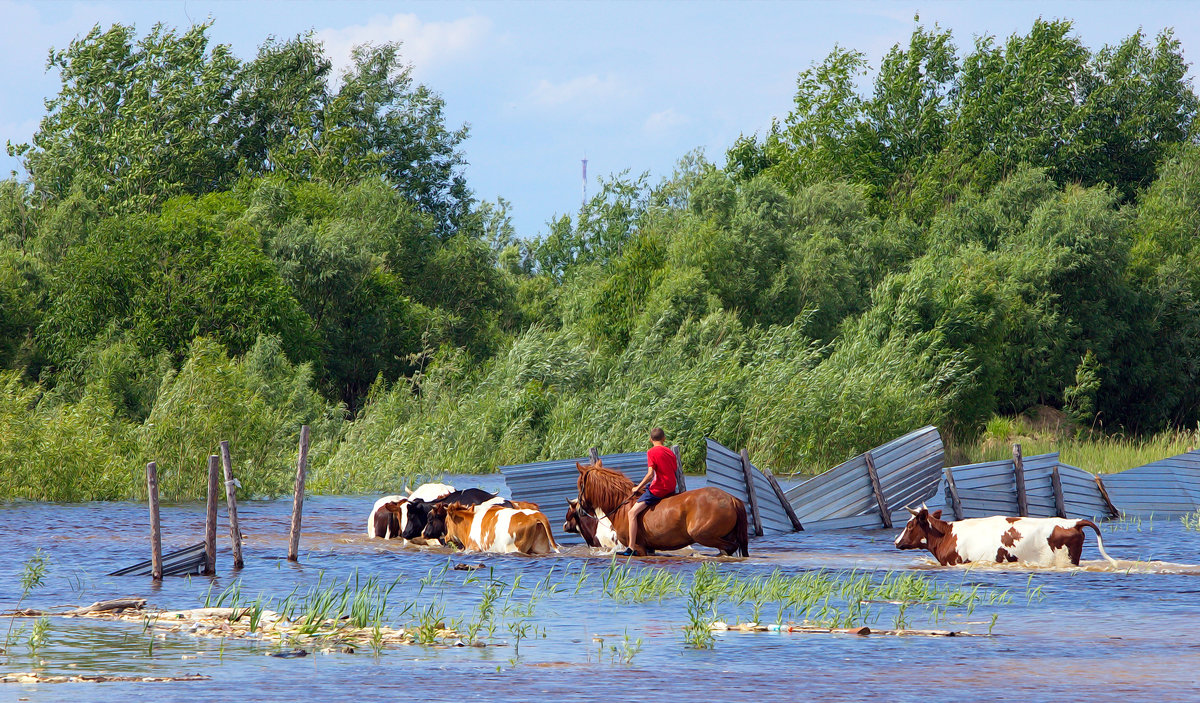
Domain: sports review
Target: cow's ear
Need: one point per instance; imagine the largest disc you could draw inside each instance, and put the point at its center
(937, 514)
(393, 507)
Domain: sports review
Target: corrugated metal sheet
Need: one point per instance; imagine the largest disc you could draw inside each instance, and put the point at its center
(183, 562)
(724, 471)
(990, 488)
(1167, 487)
(908, 468)
(551, 483)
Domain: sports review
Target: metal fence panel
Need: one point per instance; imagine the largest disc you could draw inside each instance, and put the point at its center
(724, 470)
(908, 467)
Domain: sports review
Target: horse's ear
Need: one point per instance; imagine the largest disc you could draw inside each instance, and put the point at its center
(599, 461)
(581, 467)
(572, 502)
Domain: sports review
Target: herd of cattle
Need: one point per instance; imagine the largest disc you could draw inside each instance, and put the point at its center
(473, 519)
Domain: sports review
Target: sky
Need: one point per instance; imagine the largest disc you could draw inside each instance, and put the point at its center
(628, 85)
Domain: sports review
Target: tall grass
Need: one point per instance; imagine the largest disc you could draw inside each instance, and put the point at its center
(1092, 452)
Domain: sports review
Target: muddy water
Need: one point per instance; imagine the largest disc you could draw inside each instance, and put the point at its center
(1088, 634)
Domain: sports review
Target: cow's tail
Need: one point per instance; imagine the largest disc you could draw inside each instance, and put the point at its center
(743, 529)
(1099, 542)
(545, 523)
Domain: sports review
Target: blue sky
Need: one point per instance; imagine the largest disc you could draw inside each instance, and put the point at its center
(630, 85)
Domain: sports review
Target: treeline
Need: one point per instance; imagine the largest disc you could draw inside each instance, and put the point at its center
(210, 249)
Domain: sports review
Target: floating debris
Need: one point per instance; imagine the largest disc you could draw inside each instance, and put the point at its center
(34, 677)
(251, 624)
(720, 626)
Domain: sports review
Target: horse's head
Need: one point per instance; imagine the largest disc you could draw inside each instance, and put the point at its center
(602, 487)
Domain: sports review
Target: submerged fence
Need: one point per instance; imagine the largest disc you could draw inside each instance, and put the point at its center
(872, 489)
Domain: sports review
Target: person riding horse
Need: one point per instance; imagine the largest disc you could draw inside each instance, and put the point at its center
(660, 474)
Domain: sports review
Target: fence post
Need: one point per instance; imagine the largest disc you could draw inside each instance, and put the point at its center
(1060, 505)
(298, 501)
(748, 473)
(1112, 509)
(235, 531)
(787, 507)
(955, 501)
(878, 489)
(1019, 473)
(210, 520)
(594, 454)
(156, 567)
(680, 481)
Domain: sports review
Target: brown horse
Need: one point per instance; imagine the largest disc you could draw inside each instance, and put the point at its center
(707, 516)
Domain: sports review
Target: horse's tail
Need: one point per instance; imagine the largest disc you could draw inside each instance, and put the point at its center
(742, 528)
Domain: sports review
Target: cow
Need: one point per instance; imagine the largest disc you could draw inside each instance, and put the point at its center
(491, 528)
(596, 531)
(386, 523)
(416, 510)
(1044, 541)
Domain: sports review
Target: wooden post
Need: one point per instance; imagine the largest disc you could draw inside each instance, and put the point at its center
(748, 472)
(880, 501)
(235, 531)
(298, 501)
(955, 501)
(680, 481)
(787, 507)
(1112, 509)
(594, 454)
(1060, 505)
(210, 521)
(1019, 473)
(155, 528)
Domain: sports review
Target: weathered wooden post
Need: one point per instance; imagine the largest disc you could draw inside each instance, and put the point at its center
(1060, 505)
(787, 507)
(877, 487)
(680, 481)
(1112, 509)
(748, 472)
(594, 455)
(1019, 473)
(210, 522)
(298, 501)
(235, 531)
(955, 501)
(156, 567)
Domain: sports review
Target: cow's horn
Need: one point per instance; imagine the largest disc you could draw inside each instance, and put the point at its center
(910, 510)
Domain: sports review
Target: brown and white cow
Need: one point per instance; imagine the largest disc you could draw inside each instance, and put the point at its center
(1044, 541)
(389, 523)
(491, 528)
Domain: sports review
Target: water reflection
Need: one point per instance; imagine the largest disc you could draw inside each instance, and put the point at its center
(1091, 632)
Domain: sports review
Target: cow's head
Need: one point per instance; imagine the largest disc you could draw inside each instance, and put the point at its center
(572, 523)
(413, 525)
(921, 528)
(435, 523)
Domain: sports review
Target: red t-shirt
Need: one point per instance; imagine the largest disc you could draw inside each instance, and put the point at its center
(662, 460)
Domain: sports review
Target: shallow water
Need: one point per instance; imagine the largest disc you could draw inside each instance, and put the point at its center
(1092, 633)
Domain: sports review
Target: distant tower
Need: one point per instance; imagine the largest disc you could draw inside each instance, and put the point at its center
(585, 180)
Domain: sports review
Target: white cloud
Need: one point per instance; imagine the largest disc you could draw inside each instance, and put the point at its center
(580, 91)
(665, 121)
(423, 44)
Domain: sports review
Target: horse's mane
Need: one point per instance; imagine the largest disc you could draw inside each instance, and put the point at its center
(603, 488)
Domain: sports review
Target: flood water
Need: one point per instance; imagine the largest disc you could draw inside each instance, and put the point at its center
(1093, 633)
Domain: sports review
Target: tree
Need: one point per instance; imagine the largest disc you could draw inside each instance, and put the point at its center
(136, 122)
